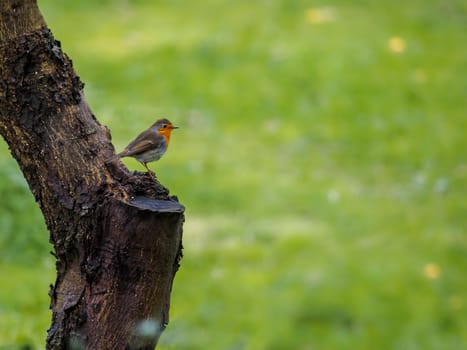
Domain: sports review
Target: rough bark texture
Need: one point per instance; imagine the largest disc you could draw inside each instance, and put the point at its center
(116, 234)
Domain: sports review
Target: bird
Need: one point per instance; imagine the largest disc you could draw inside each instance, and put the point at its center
(151, 144)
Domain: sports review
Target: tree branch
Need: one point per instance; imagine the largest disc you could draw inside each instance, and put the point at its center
(116, 235)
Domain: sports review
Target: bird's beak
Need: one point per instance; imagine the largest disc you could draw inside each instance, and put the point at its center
(174, 127)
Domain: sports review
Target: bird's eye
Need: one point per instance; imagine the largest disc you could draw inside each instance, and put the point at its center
(164, 126)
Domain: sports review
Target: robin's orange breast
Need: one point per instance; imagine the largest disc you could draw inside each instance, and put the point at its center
(166, 133)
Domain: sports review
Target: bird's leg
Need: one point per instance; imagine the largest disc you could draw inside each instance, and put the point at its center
(151, 173)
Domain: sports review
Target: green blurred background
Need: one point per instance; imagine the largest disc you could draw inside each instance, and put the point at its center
(322, 159)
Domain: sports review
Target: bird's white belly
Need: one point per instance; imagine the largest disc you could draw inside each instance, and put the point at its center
(150, 156)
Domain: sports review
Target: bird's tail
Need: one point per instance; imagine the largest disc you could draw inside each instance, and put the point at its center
(114, 157)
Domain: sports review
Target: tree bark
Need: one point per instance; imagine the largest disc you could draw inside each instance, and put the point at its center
(116, 235)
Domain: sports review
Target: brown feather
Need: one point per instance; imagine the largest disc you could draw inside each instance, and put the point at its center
(147, 140)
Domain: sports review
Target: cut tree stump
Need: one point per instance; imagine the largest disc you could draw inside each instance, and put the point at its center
(117, 235)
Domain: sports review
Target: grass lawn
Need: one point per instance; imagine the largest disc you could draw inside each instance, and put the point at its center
(321, 156)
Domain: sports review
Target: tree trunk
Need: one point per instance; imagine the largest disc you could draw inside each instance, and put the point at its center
(116, 235)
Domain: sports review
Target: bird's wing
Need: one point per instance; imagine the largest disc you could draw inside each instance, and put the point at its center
(146, 141)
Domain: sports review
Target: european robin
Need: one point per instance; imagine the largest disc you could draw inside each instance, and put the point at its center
(151, 144)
